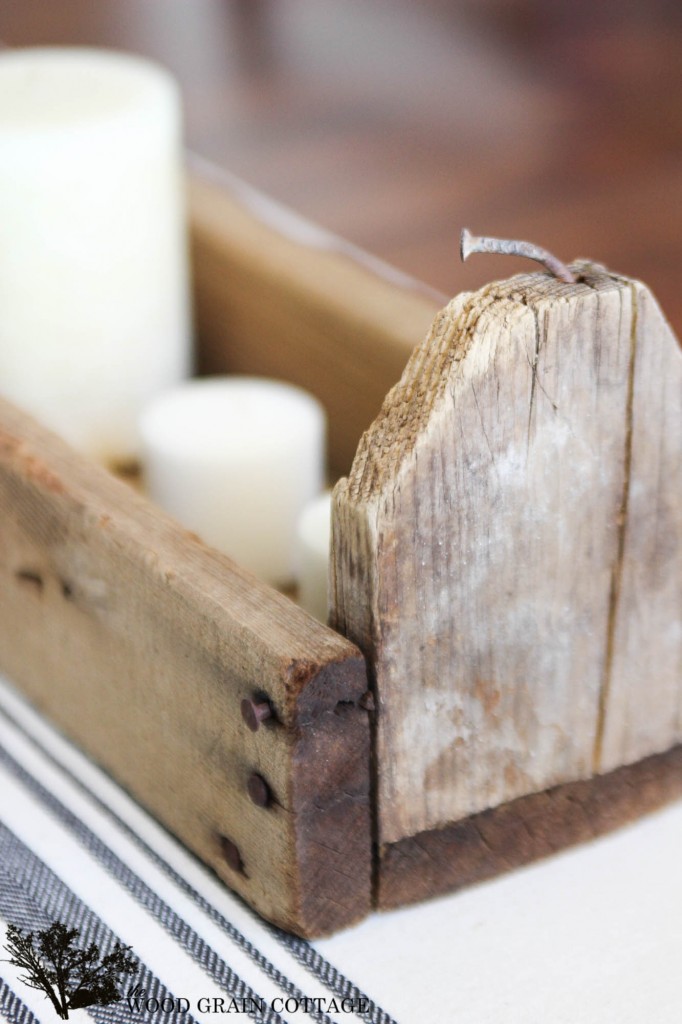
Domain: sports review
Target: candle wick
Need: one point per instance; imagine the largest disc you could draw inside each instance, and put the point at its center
(509, 247)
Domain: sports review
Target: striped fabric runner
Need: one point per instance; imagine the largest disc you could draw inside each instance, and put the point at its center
(75, 848)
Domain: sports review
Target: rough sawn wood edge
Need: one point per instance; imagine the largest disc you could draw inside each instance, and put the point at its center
(524, 830)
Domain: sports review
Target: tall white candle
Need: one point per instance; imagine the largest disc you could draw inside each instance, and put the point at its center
(236, 459)
(93, 268)
(313, 541)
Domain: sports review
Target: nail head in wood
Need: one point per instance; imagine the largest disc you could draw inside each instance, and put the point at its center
(254, 712)
(231, 854)
(367, 702)
(258, 790)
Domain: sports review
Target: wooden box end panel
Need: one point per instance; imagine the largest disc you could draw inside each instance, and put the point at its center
(507, 550)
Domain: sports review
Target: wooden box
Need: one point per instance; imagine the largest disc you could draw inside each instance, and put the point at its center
(152, 651)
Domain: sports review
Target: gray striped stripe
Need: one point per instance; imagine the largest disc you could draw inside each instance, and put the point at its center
(12, 1008)
(184, 935)
(333, 979)
(301, 950)
(32, 896)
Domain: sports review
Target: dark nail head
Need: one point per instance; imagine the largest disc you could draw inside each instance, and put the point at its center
(231, 854)
(367, 701)
(255, 712)
(258, 790)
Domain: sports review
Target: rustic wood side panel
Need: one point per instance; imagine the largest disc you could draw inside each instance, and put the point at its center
(141, 644)
(278, 297)
(475, 544)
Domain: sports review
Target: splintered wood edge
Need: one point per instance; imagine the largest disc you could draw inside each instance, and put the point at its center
(141, 642)
(524, 830)
(330, 794)
(406, 409)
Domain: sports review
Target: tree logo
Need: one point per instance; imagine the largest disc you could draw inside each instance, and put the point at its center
(70, 976)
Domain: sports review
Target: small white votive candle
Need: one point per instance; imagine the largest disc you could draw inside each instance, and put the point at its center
(93, 264)
(236, 459)
(313, 540)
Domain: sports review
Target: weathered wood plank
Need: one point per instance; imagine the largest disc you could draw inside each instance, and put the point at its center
(141, 643)
(475, 544)
(277, 296)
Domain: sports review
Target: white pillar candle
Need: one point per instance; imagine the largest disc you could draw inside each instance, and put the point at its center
(236, 459)
(93, 267)
(313, 540)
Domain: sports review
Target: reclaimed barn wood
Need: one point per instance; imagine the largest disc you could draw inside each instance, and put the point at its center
(507, 550)
(141, 644)
(277, 296)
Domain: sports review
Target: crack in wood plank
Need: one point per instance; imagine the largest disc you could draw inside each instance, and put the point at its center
(534, 377)
(617, 571)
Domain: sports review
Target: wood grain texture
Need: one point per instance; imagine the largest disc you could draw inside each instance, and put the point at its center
(276, 296)
(141, 643)
(483, 556)
(646, 673)
(534, 826)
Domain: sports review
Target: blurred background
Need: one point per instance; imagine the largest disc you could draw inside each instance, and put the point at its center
(396, 123)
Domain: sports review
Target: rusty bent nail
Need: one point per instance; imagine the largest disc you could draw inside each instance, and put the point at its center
(508, 247)
(255, 712)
